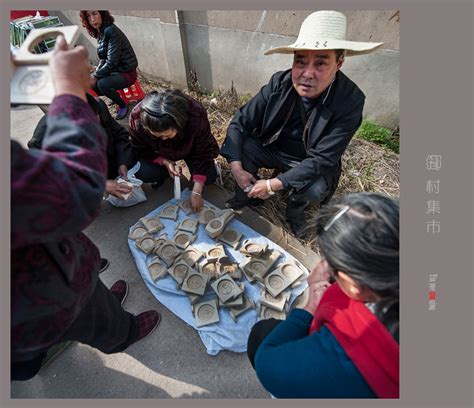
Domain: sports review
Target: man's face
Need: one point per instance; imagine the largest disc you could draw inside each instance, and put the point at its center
(313, 71)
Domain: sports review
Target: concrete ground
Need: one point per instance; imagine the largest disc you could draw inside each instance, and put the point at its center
(172, 361)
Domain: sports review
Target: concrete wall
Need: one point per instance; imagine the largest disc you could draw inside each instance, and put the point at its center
(226, 47)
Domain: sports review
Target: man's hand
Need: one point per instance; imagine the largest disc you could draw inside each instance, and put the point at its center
(69, 69)
(259, 190)
(242, 178)
(117, 189)
(122, 171)
(173, 170)
(316, 292)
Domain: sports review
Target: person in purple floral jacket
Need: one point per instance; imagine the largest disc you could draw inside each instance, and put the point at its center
(56, 192)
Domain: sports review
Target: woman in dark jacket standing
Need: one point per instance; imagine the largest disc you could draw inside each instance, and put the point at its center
(117, 68)
(168, 126)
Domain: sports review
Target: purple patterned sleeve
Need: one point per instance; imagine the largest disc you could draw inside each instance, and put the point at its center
(57, 191)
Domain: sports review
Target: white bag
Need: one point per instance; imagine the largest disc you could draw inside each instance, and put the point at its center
(136, 196)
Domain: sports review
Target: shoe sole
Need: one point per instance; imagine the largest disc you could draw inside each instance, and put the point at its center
(125, 296)
(105, 266)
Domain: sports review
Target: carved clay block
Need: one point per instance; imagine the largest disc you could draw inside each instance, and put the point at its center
(224, 265)
(168, 252)
(230, 237)
(159, 242)
(191, 255)
(216, 226)
(268, 313)
(238, 310)
(253, 249)
(206, 313)
(195, 283)
(238, 301)
(277, 303)
(188, 224)
(138, 231)
(262, 265)
(179, 271)
(183, 238)
(157, 269)
(301, 300)
(281, 278)
(206, 214)
(247, 274)
(152, 224)
(170, 212)
(226, 288)
(216, 252)
(209, 268)
(193, 299)
(146, 244)
(185, 205)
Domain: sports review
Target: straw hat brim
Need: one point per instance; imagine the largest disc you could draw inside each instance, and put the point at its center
(351, 47)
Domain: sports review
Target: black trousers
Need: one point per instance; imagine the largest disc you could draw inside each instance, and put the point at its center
(259, 331)
(102, 324)
(256, 156)
(108, 86)
(156, 173)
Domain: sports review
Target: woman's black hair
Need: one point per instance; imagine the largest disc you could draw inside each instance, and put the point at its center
(163, 110)
(359, 235)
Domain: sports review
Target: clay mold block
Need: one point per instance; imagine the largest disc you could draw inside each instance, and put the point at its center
(209, 268)
(268, 313)
(206, 214)
(238, 301)
(230, 237)
(185, 205)
(281, 278)
(247, 273)
(157, 269)
(225, 266)
(168, 252)
(183, 238)
(152, 224)
(206, 313)
(179, 271)
(159, 242)
(191, 255)
(253, 249)
(170, 212)
(138, 231)
(236, 311)
(193, 299)
(262, 265)
(277, 303)
(195, 283)
(188, 224)
(216, 252)
(216, 226)
(226, 288)
(146, 244)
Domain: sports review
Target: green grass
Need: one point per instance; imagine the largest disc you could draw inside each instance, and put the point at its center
(384, 137)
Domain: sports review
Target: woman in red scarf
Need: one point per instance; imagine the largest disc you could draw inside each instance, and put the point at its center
(344, 342)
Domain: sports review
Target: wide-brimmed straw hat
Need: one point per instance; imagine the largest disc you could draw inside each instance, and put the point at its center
(325, 30)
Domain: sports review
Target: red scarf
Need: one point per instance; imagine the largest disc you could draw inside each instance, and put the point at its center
(363, 337)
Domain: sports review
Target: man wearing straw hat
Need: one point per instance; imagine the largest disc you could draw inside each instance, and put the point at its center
(299, 123)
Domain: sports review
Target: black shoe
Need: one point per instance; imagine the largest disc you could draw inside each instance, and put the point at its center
(238, 204)
(299, 228)
(104, 264)
(122, 113)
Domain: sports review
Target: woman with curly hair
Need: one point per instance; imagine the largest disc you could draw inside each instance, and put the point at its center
(117, 68)
(168, 126)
